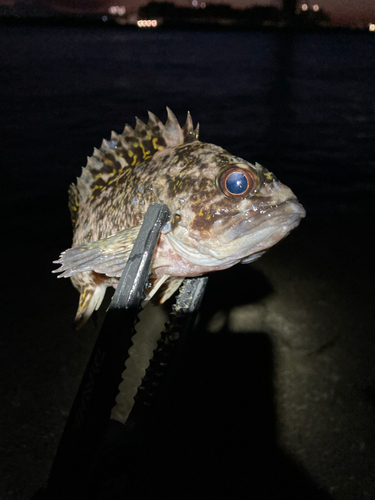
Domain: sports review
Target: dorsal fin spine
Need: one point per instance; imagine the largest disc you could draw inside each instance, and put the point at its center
(114, 139)
(188, 127)
(196, 131)
(129, 149)
(139, 124)
(128, 131)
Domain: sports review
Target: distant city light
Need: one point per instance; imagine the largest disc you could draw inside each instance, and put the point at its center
(147, 23)
(203, 5)
(105, 18)
(304, 6)
(371, 27)
(316, 8)
(118, 10)
(194, 3)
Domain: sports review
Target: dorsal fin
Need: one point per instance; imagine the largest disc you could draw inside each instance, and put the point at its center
(127, 150)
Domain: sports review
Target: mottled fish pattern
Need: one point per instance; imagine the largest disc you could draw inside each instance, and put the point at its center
(224, 210)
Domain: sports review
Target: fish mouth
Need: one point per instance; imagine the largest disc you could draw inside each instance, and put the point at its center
(243, 237)
(260, 229)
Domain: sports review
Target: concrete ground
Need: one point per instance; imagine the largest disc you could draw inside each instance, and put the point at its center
(276, 397)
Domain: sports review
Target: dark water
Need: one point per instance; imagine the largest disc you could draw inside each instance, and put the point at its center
(302, 105)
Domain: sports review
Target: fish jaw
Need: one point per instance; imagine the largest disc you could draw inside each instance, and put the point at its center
(250, 237)
(259, 226)
(241, 237)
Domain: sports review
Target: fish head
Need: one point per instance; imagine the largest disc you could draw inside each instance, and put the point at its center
(224, 210)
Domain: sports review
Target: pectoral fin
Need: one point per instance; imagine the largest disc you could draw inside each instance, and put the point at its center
(107, 256)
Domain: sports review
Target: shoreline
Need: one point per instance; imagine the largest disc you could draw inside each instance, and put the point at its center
(182, 25)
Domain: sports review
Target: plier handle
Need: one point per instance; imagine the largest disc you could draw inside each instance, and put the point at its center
(91, 439)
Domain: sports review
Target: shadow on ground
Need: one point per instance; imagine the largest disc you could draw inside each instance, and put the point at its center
(216, 438)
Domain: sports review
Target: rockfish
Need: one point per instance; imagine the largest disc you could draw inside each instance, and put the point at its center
(224, 210)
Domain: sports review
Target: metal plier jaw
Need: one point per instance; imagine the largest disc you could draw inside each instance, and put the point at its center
(92, 442)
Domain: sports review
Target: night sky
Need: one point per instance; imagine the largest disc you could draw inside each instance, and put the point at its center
(341, 11)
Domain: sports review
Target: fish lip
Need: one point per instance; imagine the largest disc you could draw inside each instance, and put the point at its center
(242, 225)
(290, 202)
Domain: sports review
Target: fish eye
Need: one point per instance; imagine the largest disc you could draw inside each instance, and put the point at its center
(236, 182)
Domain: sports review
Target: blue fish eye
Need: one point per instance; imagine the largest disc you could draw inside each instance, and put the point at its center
(236, 183)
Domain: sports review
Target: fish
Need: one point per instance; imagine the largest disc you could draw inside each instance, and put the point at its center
(224, 210)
